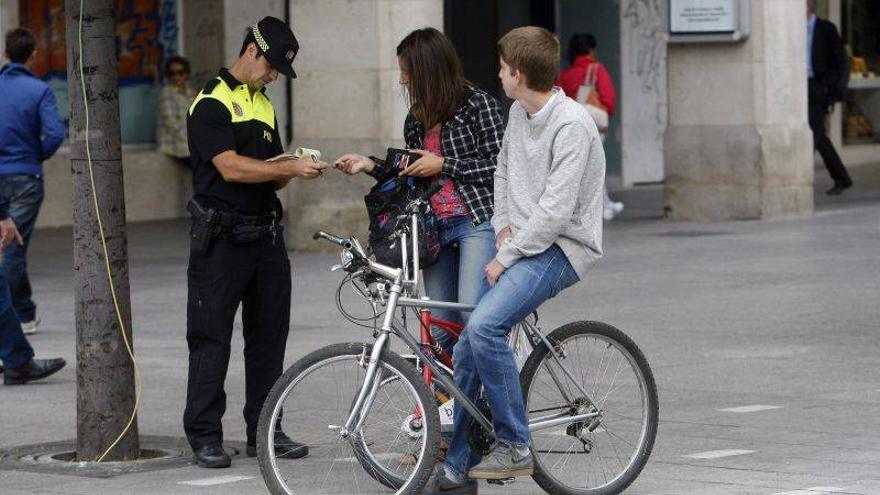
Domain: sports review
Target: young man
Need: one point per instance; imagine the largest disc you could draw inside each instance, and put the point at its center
(548, 220)
(238, 256)
(30, 132)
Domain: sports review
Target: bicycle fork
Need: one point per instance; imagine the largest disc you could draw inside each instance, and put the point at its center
(361, 407)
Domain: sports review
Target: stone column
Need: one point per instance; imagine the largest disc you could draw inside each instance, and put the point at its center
(738, 145)
(643, 85)
(346, 99)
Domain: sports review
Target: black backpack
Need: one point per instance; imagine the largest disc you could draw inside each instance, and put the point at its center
(385, 202)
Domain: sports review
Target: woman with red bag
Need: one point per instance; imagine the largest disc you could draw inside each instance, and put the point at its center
(588, 80)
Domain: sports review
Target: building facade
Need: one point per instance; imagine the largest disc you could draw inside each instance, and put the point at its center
(722, 150)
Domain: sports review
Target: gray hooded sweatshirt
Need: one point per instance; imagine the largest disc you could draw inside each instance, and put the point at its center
(549, 183)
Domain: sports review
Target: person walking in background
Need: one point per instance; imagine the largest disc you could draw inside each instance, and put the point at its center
(30, 133)
(19, 366)
(457, 129)
(585, 70)
(174, 102)
(827, 72)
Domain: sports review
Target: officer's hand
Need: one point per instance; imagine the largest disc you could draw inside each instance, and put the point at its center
(353, 164)
(305, 168)
(8, 233)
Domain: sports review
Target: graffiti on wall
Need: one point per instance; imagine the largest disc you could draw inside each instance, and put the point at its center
(146, 33)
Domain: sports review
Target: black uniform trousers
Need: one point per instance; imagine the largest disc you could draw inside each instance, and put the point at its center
(818, 109)
(257, 276)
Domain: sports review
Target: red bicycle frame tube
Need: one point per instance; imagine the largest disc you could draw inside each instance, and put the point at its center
(453, 329)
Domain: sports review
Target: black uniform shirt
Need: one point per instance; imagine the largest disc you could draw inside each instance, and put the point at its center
(225, 117)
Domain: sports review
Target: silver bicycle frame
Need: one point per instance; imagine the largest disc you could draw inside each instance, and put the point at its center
(405, 282)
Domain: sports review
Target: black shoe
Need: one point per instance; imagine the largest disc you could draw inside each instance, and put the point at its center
(212, 456)
(838, 188)
(34, 369)
(285, 447)
(439, 484)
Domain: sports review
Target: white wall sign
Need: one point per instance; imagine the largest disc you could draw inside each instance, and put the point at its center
(702, 16)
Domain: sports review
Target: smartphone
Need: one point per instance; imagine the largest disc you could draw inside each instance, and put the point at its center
(400, 159)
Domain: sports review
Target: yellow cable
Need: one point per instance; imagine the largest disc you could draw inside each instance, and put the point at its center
(137, 374)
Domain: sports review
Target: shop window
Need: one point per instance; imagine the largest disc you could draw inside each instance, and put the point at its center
(860, 29)
(146, 35)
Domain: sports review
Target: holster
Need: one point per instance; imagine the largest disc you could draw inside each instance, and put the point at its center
(205, 226)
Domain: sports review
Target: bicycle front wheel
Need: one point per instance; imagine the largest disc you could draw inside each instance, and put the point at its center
(313, 399)
(603, 454)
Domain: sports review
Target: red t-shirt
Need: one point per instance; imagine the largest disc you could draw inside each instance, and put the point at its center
(447, 202)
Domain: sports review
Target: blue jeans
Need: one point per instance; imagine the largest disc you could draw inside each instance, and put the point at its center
(482, 356)
(14, 347)
(458, 275)
(25, 196)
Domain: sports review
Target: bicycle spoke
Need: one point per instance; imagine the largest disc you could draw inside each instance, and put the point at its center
(588, 459)
(382, 450)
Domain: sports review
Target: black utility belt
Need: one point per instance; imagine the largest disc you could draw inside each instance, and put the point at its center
(210, 224)
(245, 233)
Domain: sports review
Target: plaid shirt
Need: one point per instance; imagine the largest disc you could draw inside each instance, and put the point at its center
(470, 141)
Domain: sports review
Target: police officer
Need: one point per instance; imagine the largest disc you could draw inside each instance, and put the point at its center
(237, 254)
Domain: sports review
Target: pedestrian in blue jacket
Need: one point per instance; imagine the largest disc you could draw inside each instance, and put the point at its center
(30, 132)
(15, 351)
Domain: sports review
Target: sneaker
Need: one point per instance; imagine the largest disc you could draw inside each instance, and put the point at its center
(616, 207)
(503, 462)
(30, 327)
(607, 214)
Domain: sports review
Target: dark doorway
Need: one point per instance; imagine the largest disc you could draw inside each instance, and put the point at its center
(474, 26)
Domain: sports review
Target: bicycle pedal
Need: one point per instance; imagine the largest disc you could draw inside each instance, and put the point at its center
(501, 482)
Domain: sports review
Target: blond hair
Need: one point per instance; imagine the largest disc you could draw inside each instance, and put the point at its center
(534, 51)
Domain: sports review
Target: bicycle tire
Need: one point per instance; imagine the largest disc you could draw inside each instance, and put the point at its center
(612, 335)
(292, 376)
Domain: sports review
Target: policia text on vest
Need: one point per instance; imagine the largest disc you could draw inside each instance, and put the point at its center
(237, 255)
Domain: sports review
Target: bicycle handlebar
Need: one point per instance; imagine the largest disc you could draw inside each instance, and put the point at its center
(346, 243)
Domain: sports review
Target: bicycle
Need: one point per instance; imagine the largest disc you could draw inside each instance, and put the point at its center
(382, 410)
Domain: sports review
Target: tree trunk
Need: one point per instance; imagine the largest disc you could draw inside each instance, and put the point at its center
(105, 373)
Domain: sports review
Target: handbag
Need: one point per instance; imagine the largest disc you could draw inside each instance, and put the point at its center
(588, 97)
(385, 202)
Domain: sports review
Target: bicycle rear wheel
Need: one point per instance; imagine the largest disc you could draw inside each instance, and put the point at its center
(604, 454)
(315, 396)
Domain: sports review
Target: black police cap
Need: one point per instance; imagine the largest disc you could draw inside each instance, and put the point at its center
(277, 43)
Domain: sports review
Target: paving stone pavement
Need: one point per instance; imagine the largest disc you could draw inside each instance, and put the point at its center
(731, 316)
